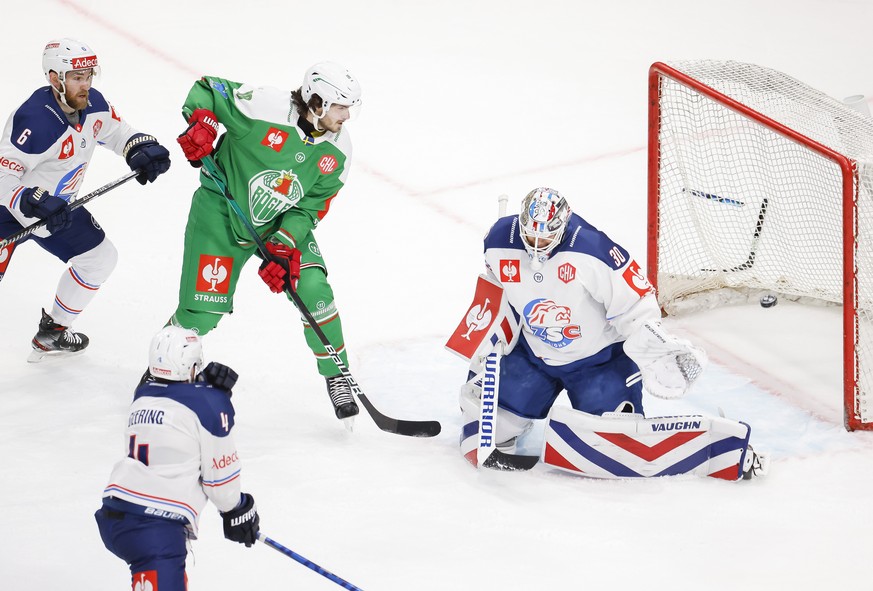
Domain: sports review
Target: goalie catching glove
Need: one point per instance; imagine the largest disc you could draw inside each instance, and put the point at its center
(669, 365)
(282, 269)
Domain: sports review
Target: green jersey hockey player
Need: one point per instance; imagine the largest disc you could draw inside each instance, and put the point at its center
(284, 155)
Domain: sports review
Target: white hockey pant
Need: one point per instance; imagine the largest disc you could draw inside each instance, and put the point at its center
(81, 280)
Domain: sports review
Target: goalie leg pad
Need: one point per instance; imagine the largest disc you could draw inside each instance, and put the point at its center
(509, 425)
(630, 446)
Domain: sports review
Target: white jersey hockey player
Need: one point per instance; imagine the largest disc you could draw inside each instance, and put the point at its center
(180, 453)
(589, 324)
(44, 154)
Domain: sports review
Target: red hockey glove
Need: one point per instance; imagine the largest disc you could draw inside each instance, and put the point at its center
(282, 270)
(202, 130)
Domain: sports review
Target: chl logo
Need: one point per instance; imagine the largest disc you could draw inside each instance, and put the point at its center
(98, 125)
(566, 272)
(275, 139)
(327, 164)
(509, 271)
(213, 272)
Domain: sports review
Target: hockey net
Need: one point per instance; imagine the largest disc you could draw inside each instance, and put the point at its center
(759, 184)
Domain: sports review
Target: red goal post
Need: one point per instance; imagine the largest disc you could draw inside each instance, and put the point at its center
(758, 183)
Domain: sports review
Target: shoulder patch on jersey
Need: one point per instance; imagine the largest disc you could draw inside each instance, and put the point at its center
(584, 238)
(38, 123)
(211, 405)
(504, 234)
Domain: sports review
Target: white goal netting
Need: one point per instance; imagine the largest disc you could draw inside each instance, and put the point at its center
(753, 202)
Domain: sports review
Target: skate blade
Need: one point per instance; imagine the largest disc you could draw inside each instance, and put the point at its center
(349, 423)
(39, 356)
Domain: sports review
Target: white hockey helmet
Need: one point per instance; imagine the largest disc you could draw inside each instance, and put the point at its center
(66, 55)
(543, 218)
(174, 352)
(333, 83)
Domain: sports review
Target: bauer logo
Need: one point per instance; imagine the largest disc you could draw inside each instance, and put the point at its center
(272, 192)
(509, 271)
(213, 275)
(275, 139)
(635, 278)
(327, 164)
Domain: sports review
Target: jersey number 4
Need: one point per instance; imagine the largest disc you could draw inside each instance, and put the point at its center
(138, 452)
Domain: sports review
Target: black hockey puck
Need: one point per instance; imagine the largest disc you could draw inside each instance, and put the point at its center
(768, 301)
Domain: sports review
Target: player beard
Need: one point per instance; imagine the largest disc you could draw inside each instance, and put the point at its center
(77, 102)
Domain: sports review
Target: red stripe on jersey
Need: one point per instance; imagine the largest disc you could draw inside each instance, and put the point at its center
(324, 211)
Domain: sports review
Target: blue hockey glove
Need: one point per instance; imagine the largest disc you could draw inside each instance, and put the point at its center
(219, 376)
(242, 524)
(36, 202)
(145, 154)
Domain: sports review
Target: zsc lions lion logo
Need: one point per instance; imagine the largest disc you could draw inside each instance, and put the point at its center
(551, 323)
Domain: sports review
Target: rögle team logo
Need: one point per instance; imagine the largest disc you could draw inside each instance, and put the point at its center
(213, 273)
(635, 278)
(274, 139)
(550, 322)
(272, 192)
(327, 164)
(509, 271)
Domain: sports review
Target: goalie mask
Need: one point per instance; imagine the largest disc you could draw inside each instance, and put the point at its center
(174, 353)
(67, 55)
(542, 221)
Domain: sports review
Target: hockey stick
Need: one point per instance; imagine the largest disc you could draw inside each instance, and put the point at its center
(76, 204)
(487, 454)
(385, 423)
(307, 563)
(756, 235)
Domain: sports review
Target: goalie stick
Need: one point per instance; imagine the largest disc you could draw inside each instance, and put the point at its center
(385, 423)
(306, 562)
(76, 204)
(756, 235)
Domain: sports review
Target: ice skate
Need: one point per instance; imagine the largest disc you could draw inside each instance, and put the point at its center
(343, 402)
(54, 340)
(755, 464)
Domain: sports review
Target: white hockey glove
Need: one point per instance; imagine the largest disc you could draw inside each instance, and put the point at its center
(669, 365)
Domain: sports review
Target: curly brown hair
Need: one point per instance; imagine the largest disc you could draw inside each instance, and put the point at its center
(301, 105)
